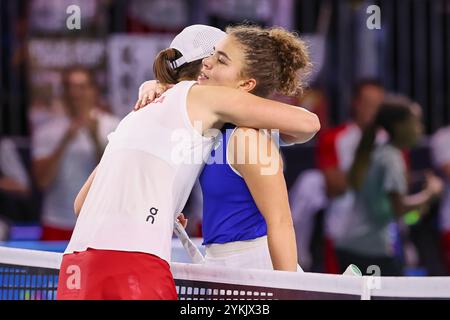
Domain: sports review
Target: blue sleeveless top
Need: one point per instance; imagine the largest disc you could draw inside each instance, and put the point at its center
(229, 211)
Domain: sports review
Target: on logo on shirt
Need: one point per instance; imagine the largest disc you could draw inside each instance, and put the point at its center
(153, 213)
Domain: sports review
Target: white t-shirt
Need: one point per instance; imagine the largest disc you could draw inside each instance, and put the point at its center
(440, 148)
(76, 165)
(368, 230)
(144, 179)
(11, 165)
(340, 208)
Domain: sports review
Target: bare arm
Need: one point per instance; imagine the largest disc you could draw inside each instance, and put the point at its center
(11, 185)
(82, 194)
(266, 183)
(403, 204)
(215, 105)
(13, 175)
(46, 169)
(245, 109)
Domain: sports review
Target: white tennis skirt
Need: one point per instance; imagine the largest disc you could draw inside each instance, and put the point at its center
(249, 254)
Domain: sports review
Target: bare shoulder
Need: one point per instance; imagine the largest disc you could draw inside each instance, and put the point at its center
(200, 95)
(213, 95)
(245, 136)
(205, 90)
(249, 147)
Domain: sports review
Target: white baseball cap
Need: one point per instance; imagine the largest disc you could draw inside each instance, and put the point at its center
(195, 42)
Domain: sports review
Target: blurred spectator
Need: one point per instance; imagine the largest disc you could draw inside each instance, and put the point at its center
(312, 99)
(315, 100)
(307, 196)
(67, 149)
(194, 211)
(40, 110)
(379, 177)
(13, 176)
(336, 151)
(308, 200)
(14, 183)
(440, 147)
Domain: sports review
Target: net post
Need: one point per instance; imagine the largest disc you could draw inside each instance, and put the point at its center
(366, 290)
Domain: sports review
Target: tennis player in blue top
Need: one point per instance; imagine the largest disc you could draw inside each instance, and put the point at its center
(246, 216)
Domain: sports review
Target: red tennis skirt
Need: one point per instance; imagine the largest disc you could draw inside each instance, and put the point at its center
(446, 250)
(115, 275)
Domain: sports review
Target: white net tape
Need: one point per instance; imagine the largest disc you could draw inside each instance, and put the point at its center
(200, 282)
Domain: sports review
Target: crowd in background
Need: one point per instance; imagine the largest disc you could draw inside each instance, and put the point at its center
(340, 220)
(371, 189)
(341, 216)
(67, 143)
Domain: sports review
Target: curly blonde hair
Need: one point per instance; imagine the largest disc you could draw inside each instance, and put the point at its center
(277, 59)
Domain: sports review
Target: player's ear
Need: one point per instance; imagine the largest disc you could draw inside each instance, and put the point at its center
(247, 84)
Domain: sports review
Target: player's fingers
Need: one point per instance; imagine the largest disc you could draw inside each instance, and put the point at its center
(141, 102)
(182, 219)
(137, 104)
(150, 97)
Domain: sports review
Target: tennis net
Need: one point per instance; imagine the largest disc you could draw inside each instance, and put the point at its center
(33, 275)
